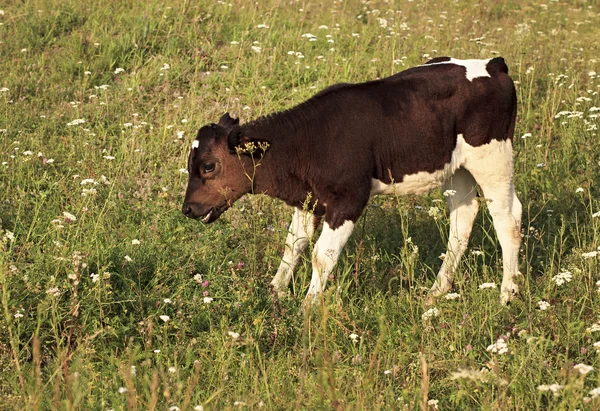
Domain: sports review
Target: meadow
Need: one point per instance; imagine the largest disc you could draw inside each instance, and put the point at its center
(113, 300)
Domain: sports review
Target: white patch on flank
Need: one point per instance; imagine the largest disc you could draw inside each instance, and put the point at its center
(422, 182)
(195, 144)
(475, 68)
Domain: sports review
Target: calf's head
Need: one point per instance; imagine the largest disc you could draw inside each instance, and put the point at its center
(216, 173)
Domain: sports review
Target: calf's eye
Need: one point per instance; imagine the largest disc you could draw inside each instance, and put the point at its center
(208, 168)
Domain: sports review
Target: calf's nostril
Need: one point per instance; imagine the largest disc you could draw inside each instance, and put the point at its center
(186, 209)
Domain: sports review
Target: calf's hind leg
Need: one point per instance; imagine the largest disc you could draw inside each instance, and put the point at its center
(492, 167)
(463, 206)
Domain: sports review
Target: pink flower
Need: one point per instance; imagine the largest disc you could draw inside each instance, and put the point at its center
(205, 293)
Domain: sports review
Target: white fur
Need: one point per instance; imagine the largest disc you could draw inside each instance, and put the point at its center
(195, 144)
(423, 181)
(474, 68)
(325, 256)
(301, 230)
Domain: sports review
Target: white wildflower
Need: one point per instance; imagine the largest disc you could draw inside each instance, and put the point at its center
(207, 300)
(583, 368)
(579, 190)
(427, 315)
(233, 335)
(167, 301)
(135, 241)
(256, 49)
(499, 347)
(449, 193)
(526, 135)
(452, 296)
(562, 278)
(354, 337)
(487, 285)
(76, 122)
(595, 392)
(69, 217)
(54, 291)
(543, 305)
(128, 259)
(172, 370)
(165, 318)
(554, 388)
(119, 70)
(591, 254)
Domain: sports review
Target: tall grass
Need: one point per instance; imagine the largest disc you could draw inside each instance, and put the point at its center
(112, 300)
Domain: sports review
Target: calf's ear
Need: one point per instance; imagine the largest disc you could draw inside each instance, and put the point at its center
(227, 121)
(239, 143)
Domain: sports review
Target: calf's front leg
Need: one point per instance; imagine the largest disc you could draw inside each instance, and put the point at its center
(324, 258)
(301, 230)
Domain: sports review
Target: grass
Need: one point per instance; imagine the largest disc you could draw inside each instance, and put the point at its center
(84, 305)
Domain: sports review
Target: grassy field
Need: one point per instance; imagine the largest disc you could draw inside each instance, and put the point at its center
(111, 299)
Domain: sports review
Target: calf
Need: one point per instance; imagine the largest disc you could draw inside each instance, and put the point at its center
(447, 123)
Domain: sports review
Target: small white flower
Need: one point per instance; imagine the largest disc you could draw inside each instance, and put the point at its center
(168, 301)
(579, 190)
(256, 49)
(583, 368)
(109, 157)
(156, 351)
(233, 335)
(18, 315)
(476, 252)
(432, 312)
(543, 305)
(500, 347)
(95, 277)
(262, 26)
(165, 318)
(54, 291)
(172, 370)
(433, 403)
(596, 214)
(174, 407)
(554, 388)
(387, 372)
(595, 392)
(449, 193)
(180, 134)
(119, 70)
(591, 254)
(28, 153)
(8, 236)
(128, 259)
(354, 337)
(122, 390)
(562, 278)
(76, 122)
(207, 300)
(593, 328)
(69, 217)
(198, 408)
(526, 135)
(452, 296)
(165, 67)
(487, 285)
(135, 241)
(183, 171)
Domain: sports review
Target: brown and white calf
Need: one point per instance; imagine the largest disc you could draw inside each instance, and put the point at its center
(447, 123)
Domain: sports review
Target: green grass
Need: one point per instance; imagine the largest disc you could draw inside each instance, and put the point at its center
(103, 345)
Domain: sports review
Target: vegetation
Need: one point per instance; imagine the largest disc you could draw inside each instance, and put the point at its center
(111, 299)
